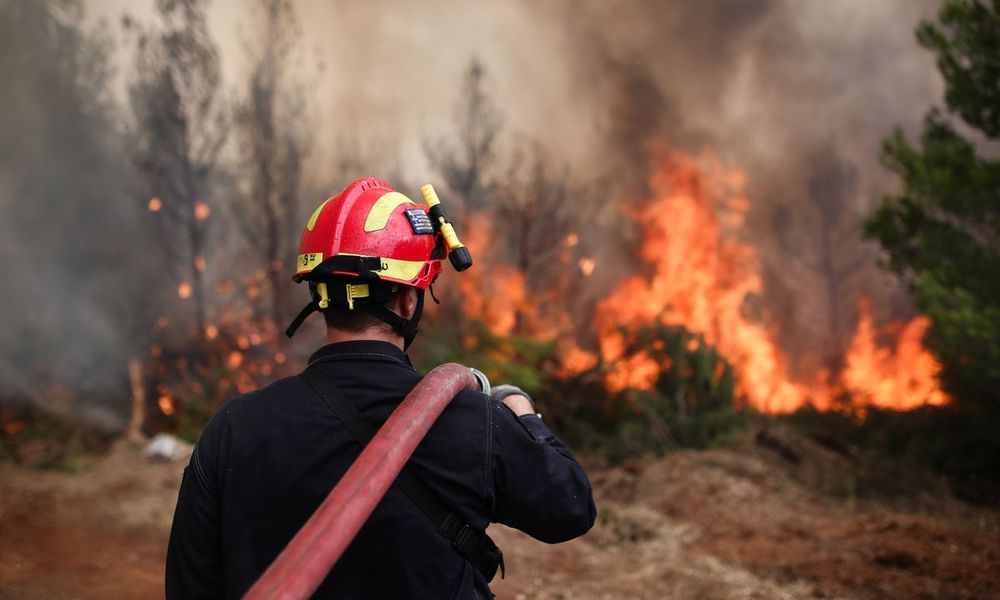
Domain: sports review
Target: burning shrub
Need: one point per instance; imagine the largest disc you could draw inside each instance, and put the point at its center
(190, 382)
(687, 398)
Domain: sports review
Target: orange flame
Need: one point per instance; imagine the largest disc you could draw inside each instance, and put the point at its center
(702, 277)
(899, 380)
(495, 298)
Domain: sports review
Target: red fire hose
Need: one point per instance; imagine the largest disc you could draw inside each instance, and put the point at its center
(305, 562)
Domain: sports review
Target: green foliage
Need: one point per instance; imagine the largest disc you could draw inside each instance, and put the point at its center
(960, 444)
(40, 438)
(967, 44)
(517, 360)
(942, 231)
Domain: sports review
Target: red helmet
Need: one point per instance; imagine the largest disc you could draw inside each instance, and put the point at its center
(361, 244)
(370, 220)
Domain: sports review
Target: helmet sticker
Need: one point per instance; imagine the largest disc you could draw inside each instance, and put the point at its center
(419, 220)
(307, 261)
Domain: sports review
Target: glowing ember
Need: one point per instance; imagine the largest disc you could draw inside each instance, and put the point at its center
(280, 358)
(14, 427)
(255, 339)
(211, 332)
(201, 210)
(235, 359)
(184, 290)
(587, 266)
(155, 204)
(166, 405)
(572, 240)
(199, 263)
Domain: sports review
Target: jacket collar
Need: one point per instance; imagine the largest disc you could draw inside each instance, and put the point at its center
(360, 349)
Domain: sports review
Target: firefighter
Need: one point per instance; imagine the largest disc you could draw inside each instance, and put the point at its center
(268, 458)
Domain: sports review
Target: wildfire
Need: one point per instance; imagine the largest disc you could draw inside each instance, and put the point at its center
(702, 277)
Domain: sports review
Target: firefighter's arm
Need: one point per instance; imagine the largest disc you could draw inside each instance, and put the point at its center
(194, 554)
(539, 486)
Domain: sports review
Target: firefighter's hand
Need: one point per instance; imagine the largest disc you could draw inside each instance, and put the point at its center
(515, 398)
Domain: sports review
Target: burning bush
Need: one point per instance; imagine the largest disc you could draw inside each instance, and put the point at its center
(690, 400)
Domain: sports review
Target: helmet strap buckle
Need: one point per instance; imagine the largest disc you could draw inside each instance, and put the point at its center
(356, 290)
(324, 297)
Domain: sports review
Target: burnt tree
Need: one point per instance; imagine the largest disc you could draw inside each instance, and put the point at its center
(270, 127)
(468, 165)
(181, 128)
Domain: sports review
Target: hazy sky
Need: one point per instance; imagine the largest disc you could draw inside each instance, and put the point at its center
(848, 69)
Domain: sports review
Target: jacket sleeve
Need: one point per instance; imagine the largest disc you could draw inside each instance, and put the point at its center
(539, 487)
(194, 554)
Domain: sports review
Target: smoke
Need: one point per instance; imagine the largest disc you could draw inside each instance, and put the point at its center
(71, 254)
(798, 95)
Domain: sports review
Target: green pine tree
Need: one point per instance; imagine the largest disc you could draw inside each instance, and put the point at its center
(941, 233)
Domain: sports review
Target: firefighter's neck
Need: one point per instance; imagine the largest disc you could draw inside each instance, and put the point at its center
(405, 305)
(372, 334)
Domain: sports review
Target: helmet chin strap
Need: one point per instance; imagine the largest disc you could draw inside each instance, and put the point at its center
(407, 328)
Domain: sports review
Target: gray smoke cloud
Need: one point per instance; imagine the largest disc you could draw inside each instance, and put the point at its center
(796, 94)
(71, 254)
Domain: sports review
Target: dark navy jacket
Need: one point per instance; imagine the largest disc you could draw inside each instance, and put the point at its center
(267, 459)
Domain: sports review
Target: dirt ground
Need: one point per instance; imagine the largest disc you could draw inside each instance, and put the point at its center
(763, 520)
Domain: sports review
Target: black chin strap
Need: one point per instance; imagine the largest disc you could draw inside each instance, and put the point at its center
(307, 310)
(407, 328)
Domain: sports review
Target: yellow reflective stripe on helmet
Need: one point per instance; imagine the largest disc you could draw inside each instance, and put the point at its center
(396, 268)
(312, 220)
(308, 261)
(378, 216)
(405, 270)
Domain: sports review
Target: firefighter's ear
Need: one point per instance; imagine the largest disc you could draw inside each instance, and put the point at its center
(407, 302)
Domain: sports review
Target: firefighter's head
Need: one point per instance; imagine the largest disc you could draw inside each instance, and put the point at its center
(368, 254)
